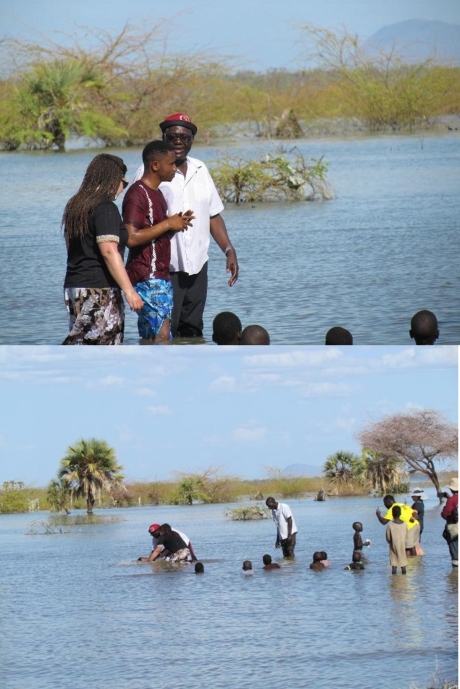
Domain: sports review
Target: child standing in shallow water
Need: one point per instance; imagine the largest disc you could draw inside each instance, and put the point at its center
(396, 537)
(358, 543)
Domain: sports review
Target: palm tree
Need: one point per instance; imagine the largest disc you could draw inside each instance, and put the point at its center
(89, 467)
(58, 494)
(343, 467)
(384, 473)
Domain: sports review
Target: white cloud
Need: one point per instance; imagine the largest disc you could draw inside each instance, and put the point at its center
(412, 357)
(250, 433)
(161, 410)
(294, 358)
(224, 384)
(327, 390)
(145, 392)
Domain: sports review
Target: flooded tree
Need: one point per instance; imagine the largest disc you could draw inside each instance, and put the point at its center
(421, 439)
(90, 467)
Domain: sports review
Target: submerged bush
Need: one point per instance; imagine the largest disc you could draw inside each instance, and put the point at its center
(245, 514)
(274, 177)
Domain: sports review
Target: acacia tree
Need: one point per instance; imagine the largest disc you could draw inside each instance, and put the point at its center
(420, 439)
(89, 467)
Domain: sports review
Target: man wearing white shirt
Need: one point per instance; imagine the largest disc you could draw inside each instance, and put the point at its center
(192, 189)
(286, 528)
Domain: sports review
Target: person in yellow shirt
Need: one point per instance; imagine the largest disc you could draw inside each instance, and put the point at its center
(407, 516)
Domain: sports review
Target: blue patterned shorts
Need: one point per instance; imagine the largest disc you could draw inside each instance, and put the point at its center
(158, 302)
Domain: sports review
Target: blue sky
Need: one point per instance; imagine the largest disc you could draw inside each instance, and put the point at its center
(258, 34)
(186, 408)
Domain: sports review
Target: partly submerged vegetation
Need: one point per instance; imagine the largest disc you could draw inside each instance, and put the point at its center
(115, 87)
(247, 514)
(274, 177)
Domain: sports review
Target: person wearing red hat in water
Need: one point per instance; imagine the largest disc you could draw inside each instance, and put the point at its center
(192, 188)
(154, 531)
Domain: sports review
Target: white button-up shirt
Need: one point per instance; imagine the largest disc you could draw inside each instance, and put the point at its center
(197, 192)
(280, 517)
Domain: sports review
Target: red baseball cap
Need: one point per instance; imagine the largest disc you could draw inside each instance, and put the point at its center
(178, 120)
(154, 527)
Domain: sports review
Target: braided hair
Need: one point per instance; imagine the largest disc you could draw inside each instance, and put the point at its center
(100, 183)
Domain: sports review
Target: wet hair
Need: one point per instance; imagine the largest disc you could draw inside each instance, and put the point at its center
(199, 568)
(155, 150)
(424, 328)
(247, 564)
(165, 530)
(100, 183)
(317, 557)
(267, 559)
(355, 524)
(356, 556)
(339, 336)
(396, 512)
(225, 328)
(255, 335)
(323, 555)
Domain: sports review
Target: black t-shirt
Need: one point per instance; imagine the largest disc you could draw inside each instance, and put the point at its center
(173, 543)
(420, 507)
(85, 264)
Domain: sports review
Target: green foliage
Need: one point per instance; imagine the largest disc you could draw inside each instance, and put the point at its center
(89, 468)
(58, 494)
(251, 513)
(286, 485)
(345, 473)
(275, 177)
(384, 474)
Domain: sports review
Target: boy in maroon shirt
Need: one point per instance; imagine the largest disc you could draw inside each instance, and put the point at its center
(149, 231)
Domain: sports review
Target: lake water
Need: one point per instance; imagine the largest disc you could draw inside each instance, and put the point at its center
(79, 611)
(387, 247)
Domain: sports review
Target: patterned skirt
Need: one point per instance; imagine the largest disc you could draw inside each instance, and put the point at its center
(183, 555)
(96, 316)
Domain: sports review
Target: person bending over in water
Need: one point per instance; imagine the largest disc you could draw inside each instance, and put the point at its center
(255, 335)
(396, 537)
(317, 564)
(226, 329)
(171, 546)
(154, 531)
(268, 564)
(424, 328)
(356, 562)
(339, 336)
(199, 568)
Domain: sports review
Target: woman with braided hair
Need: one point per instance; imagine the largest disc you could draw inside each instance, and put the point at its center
(96, 238)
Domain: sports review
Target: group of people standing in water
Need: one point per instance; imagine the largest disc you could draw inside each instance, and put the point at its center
(169, 215)
(403, 533)
(165, 278)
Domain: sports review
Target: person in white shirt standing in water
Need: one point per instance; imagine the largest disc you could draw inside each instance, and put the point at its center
(192, 189)
(286, 528)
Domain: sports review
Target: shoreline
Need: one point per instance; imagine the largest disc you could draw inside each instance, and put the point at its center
(236, 132)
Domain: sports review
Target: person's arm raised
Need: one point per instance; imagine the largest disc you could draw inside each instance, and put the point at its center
(110, 254)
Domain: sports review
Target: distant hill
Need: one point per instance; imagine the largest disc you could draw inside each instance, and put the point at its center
(417, 39)
(302, 470)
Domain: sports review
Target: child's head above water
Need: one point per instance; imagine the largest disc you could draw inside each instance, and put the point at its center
(247, 565)
(199, 568)
(356, 556)
(323, 555)
(357, 526)
(267, 559)
(318, 556)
